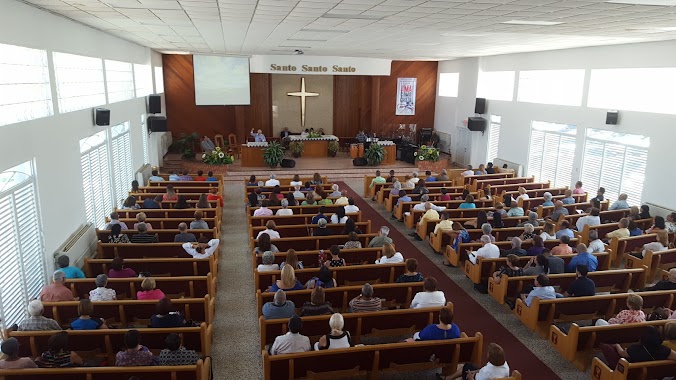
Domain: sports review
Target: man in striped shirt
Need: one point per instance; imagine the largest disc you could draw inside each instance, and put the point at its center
(143, 236)
(365, 302)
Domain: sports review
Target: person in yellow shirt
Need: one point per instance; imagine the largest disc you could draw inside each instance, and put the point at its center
(430, 213)
(444, 224)
(621, 232)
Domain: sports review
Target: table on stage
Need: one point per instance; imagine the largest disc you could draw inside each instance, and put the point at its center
(252, 156)
(314, 147)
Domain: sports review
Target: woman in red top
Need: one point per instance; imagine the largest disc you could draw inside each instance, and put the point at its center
(213, 196)
(200, 176)
(170, 195)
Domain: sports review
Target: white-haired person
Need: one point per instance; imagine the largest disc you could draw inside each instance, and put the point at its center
(548, 199)
(337, 338)
(36, 321)
(268, 262)
(382, 238)
(285, 210)
(101, 293)
(272, 182)
(335, 191)
(488, 250)
(57, 290)
(258, 136)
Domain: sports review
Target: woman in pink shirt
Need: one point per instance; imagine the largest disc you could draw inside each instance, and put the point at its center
(633, 313)
(170, 195)
(578, 188)
(149, 292)
(117, 269)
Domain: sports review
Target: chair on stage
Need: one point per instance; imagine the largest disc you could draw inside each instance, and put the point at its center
(219, 141)
(234, 145)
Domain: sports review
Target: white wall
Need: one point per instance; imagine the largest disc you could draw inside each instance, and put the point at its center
(517, 116)
(54, 141)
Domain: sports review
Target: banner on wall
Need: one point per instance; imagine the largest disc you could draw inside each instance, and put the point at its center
(405, 96)
(319, 65)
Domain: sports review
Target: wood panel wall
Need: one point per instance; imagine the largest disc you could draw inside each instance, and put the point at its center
(360, 102)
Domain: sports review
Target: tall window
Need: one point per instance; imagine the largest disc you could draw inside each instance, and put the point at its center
(144, 133)
(552, 151)
(562, 87)
(22, 250)
(79, 82)
(143, 78)
(494, 138)
(615, 161)
(121, 154)
(643, 90)
(448, 84)
(159, 80)
(119, 81)
(96, 181)
(497, 85)
(25, 92)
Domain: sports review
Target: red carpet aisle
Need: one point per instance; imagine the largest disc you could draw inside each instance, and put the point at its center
(469, 315)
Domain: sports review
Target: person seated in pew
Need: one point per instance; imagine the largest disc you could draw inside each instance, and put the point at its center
(668, 284)
(351, 208)
(200, 176)
(583, 257)
(537, 248)
(153, 203)
(117, 269)
(292, 260)
(252, 181)
(565, 230)
(548, 199)
(488, 250)
(175, 353)
(445, 329)
(324, 279)
(528, 232)
(272, 182)
(86, 322)
(515, 250)
(270, 230)
(339, 216)
(365, 302)
(307, 187)
(149, 290)
(350, 226)
(645, 212)
(403, 197)
(658, 225)
(396, 187)
(532, 220)
(36, 321)
(135, 187)
(335, 260)
(444, 195)
(583, 286)
(444, 225)
(523, 194)
(420, 188)
(514, 209)
(468, 172)
(173, 176)
(198, 223)
(183, 236)
(429, 177)
(292, 342)
(563, 248)
(481, 170)
(58, 355)
(411, 274)
(335, 191)
(414, 178)
(296, 181)
(460, 235)
(633, 228)
(279, 307)
(276, 195)
(390, 255)
(511, 269)
(265, 245)
(381, 239)
(568, 197)
(633, 213)
(166, 316)
(115, 219)
(430, 214)
(135, 354)
(649, 348)
(558, 213)
(268, 262)
(468, 203)
(390, 178)
(320, 215)
(10, 347)
(252, 200)
(465, 193)
(536, 266)
(430, 296)
(287, 281)
(291, 200)
(324, 198)
(620, 203)
(203, 248)
(343, 200)
(182, 203)
(593, 219)
(155, 176)
(556, 264)
(621, 232)
(481, 219)
(203, 202)
(595, 244)
(63, 262)
(141, 218)
(170, 194)
(143, 236)
(263, 210)
(101, 293)
(443, 176)
(495, 368)
(337, 338)
(670, 224)
(541, 290)
(353, 241)
(489, 168)
(578, 188)
(309, 199)
(130, 203)
(632, 314)
(317, 179)
(57, 290)
(408, 182)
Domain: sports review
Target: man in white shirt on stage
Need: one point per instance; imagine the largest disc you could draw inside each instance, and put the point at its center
(258, 137)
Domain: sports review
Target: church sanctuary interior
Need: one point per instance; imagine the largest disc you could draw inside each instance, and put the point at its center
(337, 189)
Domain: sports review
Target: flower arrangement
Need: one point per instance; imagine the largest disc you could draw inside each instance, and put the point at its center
(314, 135)
(217, 157)
(426, 153)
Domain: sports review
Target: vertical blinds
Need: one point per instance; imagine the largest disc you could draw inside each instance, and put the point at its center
(551, 154)
(96, 181)
(494, 138)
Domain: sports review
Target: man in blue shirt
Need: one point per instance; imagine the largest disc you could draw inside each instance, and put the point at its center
(185, 176)
(565, 230)
(315, 219)
(583, 258)
(64, 266)
(258, 137)
(279, 307)
(430, 177)
(210, 177)
(542, 290)
(568, 200)
(403, 197)
(155, 176)
(174, 177)
(621, 203)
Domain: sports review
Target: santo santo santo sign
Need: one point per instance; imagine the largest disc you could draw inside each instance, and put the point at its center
(318, 65)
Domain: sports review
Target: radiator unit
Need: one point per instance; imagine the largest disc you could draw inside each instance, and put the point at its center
(81, 244)
(444, 142)
(657, 210)
(518, 168)
(143, 173)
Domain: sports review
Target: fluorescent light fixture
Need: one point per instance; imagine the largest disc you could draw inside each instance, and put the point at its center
(174, 52)
(351, 16)
(663, 3)
(324, 31)
(654, 30)
(526, 22)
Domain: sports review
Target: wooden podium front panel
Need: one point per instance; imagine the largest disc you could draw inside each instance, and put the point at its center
(252, 156)
(316, 148)
(391, 155)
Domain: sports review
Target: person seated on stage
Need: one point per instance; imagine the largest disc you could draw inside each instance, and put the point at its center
(468, 172)
(285, 133)
(343, 200)
(63, 262)
(321, 229)
(204, 247)
(175, 353)
(155, 176)
(321, 131)
(430, 296)
(391, 177)
(272, 182)
(317, 179)
(207, 145)
(335, 191)
(259, 136)
(293, 341)
(361, 137)
(10, 347)
(85, 322)
(445, 329)
(305, 133)
(365, 302)
(489, 168)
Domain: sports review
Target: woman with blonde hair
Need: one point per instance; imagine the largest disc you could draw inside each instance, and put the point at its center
(390, 255)
(149, 291)
(522, 194)
(548, 232)
(287, 281)
(141, 218)
(337, 338)
(170, 195)
(291, 260)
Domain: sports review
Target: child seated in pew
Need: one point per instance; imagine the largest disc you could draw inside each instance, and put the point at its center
(445, 329)
(57, 354)
(10, 347)
(135, 354)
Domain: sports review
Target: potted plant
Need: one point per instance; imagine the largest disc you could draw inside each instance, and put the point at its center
(185, 146)
(375, 154)
(296, 148)
(427, 158)
(333, 148)
(273, 154)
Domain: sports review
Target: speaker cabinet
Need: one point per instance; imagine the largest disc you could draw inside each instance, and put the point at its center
(154, 104)
(359, 161)
(477, 124)
(287, 163)
(611, 117)
(157, 124)
(101, 116)
(480, 106)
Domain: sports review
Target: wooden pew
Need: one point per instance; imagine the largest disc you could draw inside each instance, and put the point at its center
(172, 266)
(533, 203)
(310, 258)
(382, 190)
(285, 181)
(614, 281)
(572, 208)
(200, 371)
(126, 288)
(110, 341)
(297, 210)
(543, 313)
(621, 248)
(159, 190)
(195, 196)
(187, 213)
(375, 359)
(603, 229)
(644, 370)
(472, 179)
(425, 228)
(579, 344)
(480, 184)
(172, 223)
(499, 190)
(484, 268)
(609, 216)
(410, 219)
(203, 184)
(164, 236)
(305, 218)
(456, 257)
(393, 295)
(347, 275)
(123, 312)
(441, 239)
(298, 230)
(360, 325)
(307, 243)
(534, 193)
(654, 261)
(140, 250)
(435, 194)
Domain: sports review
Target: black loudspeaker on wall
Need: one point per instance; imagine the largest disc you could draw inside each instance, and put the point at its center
(157, 123)
(480, 106)
(477, 124)
(611, 117)
(359, 161)
(286, 163)
(101, 116)
(154, 104)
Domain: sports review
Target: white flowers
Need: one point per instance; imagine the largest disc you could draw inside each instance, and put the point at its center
(204, 155)
(221, 155)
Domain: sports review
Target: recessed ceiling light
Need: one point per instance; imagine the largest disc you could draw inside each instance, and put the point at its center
(663, 3)
(527, 22)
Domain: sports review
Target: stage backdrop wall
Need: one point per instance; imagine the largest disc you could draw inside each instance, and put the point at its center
(359, 102)
(286, 110)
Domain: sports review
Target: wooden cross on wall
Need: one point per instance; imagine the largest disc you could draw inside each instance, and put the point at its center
(302, 94)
